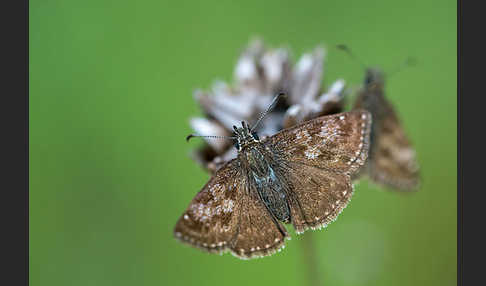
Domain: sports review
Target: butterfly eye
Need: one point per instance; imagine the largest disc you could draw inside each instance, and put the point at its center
(368, 80)
(255, 136)
(237, 145)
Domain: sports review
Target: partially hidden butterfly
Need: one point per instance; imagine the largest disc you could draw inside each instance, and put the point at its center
(392, 160)
(300, 176)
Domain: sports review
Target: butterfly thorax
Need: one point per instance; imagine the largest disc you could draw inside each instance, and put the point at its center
(374, 78)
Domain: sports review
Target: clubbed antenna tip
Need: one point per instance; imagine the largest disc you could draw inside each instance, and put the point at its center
(189, 137)
(342, 47)
(411, 61)
(210, 137)
(348, 51)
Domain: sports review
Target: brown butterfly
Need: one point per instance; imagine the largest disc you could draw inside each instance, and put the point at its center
(392, 160)
(300, 175)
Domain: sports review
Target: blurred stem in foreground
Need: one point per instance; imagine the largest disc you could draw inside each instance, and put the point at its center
(310, 259)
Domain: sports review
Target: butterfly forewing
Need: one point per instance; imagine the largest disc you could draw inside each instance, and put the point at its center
(211, 220)
(337, 143)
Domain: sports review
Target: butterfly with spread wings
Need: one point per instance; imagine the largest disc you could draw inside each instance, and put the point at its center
(301, 175)
(392, 160)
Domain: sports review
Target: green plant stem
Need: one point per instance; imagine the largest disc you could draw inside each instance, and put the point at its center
(310, 259)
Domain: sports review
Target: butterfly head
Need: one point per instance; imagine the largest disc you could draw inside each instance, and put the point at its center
(244, 136)
(374, 78)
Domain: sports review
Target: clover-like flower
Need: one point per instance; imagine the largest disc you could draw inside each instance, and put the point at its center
(259, 75)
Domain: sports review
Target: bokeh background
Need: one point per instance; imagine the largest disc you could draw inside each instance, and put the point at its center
(111, 87)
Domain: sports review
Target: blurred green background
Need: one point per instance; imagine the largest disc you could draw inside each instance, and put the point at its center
(111, 87)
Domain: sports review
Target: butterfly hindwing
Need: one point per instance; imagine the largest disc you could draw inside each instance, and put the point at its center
(259, 234)
(393, 160)
(318, 196)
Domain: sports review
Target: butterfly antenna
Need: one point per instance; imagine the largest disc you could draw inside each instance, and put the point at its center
(209, 137)
(409, 62)
(269, 108)
(348, 51)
